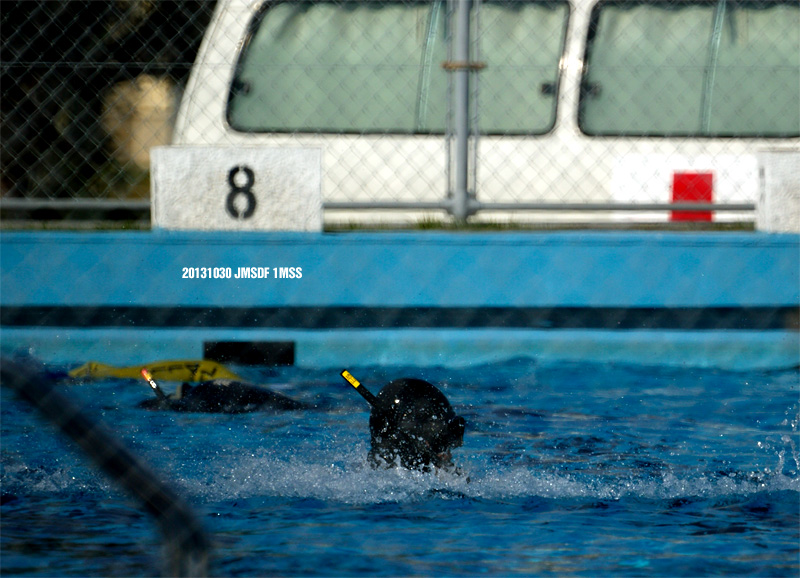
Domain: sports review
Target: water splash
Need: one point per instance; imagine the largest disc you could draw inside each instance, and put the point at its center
(784, 446)
(346, 478)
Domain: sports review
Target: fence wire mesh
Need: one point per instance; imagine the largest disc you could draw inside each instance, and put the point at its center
(463, 106)
(574, 111)
(102, 306)
(88, 88)
(185, 545)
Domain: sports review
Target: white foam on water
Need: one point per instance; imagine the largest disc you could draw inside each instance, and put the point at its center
(347, 478)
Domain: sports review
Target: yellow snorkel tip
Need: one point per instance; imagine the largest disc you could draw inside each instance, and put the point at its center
(152, 382)
(365, 393)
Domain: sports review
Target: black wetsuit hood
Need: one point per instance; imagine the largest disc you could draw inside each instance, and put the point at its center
(413, 423)
(223, 396)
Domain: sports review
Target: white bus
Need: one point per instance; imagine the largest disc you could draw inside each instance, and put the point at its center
(580, 110)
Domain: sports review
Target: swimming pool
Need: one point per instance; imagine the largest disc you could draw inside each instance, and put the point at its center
(585, 469)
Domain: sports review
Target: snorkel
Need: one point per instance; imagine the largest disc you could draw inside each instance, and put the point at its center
(411, 423)
(365, 393)
(153, 385)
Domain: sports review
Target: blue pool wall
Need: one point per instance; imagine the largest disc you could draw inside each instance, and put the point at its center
(404, 273)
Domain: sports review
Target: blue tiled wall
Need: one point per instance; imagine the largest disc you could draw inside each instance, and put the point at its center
(407, 270)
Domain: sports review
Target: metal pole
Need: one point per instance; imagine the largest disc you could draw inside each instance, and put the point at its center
(461, 111)
(187, 545)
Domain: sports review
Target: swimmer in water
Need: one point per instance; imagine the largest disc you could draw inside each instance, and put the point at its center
(218, 396)
(411, 425)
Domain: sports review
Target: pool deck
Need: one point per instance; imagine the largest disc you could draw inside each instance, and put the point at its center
(729, 300)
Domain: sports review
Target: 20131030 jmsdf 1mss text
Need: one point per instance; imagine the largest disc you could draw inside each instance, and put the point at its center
(241, 272)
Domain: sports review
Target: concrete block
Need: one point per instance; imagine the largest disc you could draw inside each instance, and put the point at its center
(778, 208)
(236, 188)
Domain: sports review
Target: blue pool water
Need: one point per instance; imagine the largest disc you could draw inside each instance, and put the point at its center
(574, 469)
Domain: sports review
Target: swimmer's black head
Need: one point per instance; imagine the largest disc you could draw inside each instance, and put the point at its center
(413, 424)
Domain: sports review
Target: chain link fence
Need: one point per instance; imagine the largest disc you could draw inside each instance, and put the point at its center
(186, 546)
(584, 110)
(541, 110)
(88, 88)
(108, 304)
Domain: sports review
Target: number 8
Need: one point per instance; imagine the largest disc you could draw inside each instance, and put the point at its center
(245, 190)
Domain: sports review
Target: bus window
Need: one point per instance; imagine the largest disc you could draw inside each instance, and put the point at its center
(345, 67)
(376, 67)
(521, 44)
(710, 69)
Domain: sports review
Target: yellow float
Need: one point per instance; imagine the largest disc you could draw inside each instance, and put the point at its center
(188, 370)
